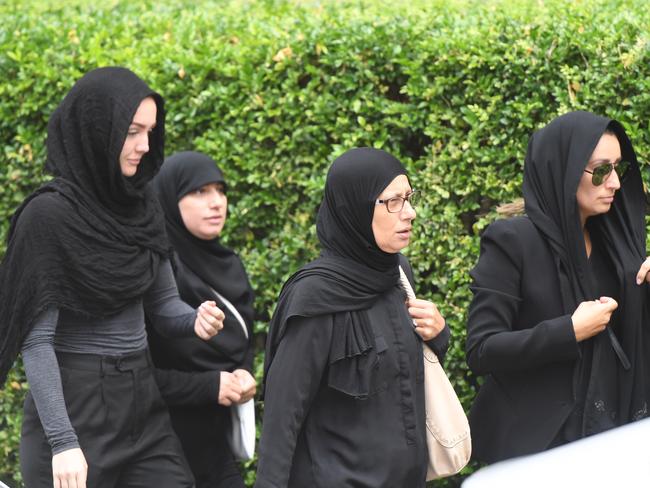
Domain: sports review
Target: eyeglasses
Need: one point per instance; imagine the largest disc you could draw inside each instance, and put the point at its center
(600, 173)
(396, 204)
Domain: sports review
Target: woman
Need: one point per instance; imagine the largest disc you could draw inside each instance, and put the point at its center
(344, 394)
(192, 192)
(86, 255)
(557, 320)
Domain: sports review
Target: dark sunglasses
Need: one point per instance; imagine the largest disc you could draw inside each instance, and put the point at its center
(600, 173)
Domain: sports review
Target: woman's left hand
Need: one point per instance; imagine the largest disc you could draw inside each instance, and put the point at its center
(248, 384)
(643, 275)
(429, 323)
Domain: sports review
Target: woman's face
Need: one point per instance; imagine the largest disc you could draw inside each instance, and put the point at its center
(136, 143)
(592, 199)
(392, 231)
(204, 211)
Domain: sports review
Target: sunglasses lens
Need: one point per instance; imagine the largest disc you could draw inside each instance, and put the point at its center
(621, 169)
(600, 174)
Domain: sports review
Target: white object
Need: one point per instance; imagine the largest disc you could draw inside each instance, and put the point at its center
(616, 458)
(448, 438)
(241, 435)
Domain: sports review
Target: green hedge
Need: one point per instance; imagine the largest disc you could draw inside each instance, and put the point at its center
(275, 90)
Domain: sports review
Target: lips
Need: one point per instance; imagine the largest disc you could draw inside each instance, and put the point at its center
(214, 219)
(405, 233)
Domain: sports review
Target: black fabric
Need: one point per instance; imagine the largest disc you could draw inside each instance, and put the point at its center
(201, 266)
(555, 162)
(352, 272)
(113, 399)
(91, 239)
(520, 338)
(217, 266)
(356, 430)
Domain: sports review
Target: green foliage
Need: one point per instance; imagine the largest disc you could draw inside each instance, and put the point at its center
(275, 90)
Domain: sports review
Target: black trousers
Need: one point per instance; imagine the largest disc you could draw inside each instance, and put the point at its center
(202, 432)
(121, 421)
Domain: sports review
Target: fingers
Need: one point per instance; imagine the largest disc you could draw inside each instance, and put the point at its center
(642, 275)
(69, 469)
(230, 391)
(209, 320)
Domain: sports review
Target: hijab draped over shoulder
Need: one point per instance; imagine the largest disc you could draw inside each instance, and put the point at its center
(91, 239)
(556, 158)
(351, 272)
(217, 267)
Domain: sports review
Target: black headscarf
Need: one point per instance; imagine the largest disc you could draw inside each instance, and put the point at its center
(91, 239)
(556, 158)
(352, 272)
(217, 267)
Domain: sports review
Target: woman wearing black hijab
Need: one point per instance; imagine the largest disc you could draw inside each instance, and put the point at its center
(86, 255)
(192, 192)
(558, 323)
(344, 393)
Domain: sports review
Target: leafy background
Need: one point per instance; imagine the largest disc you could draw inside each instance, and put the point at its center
(274, 90)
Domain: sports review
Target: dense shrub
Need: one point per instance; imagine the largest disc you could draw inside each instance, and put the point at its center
(275, 90)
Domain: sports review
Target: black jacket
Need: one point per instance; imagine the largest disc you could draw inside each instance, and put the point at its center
(520, 338)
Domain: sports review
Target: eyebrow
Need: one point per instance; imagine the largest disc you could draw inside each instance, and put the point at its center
(603, 160)
(143, 126)
(395, 194)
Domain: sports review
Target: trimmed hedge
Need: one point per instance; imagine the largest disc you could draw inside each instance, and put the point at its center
(275, 90)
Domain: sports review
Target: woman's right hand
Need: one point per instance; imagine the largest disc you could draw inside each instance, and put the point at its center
(591, 318)
(230, 390)
(69, 469)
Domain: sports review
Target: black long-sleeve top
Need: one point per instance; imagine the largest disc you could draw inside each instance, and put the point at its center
(321, 430)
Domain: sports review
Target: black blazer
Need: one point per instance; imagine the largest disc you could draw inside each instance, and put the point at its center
(520, 338)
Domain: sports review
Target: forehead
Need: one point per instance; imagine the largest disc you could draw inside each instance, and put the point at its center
(608, 148)
(400, 185)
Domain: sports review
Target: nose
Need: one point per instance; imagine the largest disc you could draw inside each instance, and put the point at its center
(216, 199)
(408, 212)
(613, 181)
(142, 146)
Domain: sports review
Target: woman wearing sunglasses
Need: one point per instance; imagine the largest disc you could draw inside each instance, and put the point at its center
(557, 320)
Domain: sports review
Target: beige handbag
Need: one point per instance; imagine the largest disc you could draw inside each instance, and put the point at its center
(448, 438)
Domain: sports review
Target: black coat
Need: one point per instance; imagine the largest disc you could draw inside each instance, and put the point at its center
(520, 338)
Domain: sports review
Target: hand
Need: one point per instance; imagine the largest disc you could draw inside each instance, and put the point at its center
(642, 275)
(230, 389)
(591, 318)
(428, 321)
(69, 469)
(248, 384)
(209, 320)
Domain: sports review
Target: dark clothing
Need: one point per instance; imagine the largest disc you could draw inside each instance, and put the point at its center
(121, 421)
(189, 369)
(344, 394)
(90, 240)
(519, 336)
(344, 410)
(187, 373)
(123, 333)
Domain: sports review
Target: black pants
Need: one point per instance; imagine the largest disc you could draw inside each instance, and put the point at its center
(202, 431)
(121, 421)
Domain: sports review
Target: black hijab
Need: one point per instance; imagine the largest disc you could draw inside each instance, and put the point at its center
(556, 158)
(352, 272)
(91, 239)
(201, 266)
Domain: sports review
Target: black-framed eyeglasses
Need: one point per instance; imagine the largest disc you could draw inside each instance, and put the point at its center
(600, 173)
(396, 204)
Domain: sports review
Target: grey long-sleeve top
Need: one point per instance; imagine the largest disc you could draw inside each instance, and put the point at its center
(123, 333)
